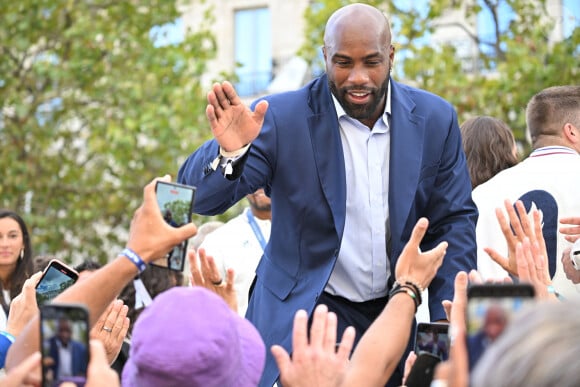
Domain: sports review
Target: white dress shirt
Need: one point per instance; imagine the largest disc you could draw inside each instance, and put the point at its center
(362, 268)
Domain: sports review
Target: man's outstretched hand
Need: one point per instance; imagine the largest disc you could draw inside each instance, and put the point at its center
(232, 123)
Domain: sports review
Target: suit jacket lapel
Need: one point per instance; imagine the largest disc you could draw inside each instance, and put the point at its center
(327, 147)
(407, 136)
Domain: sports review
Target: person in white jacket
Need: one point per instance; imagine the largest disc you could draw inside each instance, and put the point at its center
(547, 180)
(239, 244)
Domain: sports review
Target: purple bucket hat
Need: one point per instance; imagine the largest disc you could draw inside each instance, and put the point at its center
(189, 336)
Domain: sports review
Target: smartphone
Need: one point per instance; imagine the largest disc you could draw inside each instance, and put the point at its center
(432, 338)
(56, 277)
(490, 308)
(176, 204)
(64, 335)
(421, 374)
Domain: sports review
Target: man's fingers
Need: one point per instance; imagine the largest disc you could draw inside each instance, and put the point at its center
(447, 305)
(498, 258)
(260, 111)
(514, 219)
(318, 327)
(230, 94)
(346, 343)
(504, 226)
(418, 232)
(230, 276)
(300, 331)
(282, 358)
(522, 218)
(330, 336)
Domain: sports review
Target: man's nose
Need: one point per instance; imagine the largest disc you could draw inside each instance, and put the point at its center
(358, 75)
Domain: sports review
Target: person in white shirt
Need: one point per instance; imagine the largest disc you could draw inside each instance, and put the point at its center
(548, 180)
(239, 244)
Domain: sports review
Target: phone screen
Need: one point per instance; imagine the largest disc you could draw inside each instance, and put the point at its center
(56, 278)
(433, 338)
(176, 204)
(490, 309)
(64, 332)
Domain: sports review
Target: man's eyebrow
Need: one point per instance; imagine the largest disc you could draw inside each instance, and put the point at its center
(369, 56)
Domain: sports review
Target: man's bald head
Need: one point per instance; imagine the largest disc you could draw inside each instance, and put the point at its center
(356, 17)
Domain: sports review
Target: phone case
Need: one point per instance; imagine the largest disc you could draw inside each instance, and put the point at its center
(421, 374)
(176, 204)
(64, 335)
(490, 308)
(55, 278)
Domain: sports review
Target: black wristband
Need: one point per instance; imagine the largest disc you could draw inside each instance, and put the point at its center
(411, 293)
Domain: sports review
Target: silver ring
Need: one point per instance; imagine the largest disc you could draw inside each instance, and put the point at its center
(108, 329)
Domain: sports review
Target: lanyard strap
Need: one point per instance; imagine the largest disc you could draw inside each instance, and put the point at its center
(256, 229)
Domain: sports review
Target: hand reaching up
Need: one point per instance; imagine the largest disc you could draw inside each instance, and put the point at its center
(416, 266)
(204, 272)
(232, 123)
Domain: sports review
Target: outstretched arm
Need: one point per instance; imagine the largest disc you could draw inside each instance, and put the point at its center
(149, 236)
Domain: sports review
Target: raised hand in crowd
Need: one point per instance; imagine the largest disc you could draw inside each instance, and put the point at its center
(571, 228)
(150, 238)
(572, 233)
(111, 329)
(458, 363)
(205, 273)
(382, 345)
(99, 373)
(27, 373)
(23, 307)
(316, 360)
(232, 123)
(514, 231)
(571, 273)
(527, 255)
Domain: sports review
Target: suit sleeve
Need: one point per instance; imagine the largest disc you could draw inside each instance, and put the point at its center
(453, 217)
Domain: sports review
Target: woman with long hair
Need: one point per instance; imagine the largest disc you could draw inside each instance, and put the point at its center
(489, 146)
(15, 259)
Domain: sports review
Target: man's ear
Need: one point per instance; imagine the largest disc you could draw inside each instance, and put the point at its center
(572, 133)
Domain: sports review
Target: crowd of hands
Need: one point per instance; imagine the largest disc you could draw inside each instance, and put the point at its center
(316, 358)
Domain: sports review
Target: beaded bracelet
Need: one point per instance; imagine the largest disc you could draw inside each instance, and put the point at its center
(417, 289)
(135, 258)
(398, 288)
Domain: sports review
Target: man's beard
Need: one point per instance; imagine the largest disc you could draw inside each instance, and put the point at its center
(261, 207)
(360, 111)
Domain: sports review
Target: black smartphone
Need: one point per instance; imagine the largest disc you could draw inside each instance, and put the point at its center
(176, 204)
(64, 335)
(432, 338)
(421, 374)
(490, 308)
(56, 277)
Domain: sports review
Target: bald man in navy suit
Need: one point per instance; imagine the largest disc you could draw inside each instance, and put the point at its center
(351, 161)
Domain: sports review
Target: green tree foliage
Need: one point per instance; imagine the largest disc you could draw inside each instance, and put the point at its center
(92, 108)
(514, 62)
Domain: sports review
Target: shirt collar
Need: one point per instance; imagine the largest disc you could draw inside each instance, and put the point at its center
(553, 150)
(341, 113)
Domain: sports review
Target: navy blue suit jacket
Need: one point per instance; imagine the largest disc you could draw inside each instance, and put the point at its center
(298, 159)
